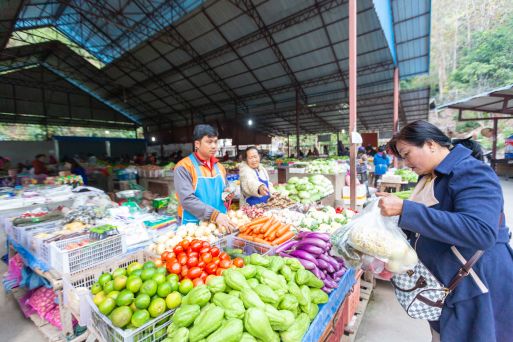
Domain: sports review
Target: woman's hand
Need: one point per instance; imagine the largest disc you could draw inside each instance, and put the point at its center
(390, 205)
(263, 191)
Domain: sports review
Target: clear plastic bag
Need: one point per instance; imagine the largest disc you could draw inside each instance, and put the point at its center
(369, 234)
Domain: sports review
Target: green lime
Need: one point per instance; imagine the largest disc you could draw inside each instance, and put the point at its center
(142, 301)
(159, 278)
(108, 287)
(96, 288)
(133, 267)
(148, 273)
(121, 316)
(118, 272)
(161, 270)
(164, 289)
(107, 306)
(185, 286)
(157, 307)
(173, 300)
(134, 284)
(133, 307)
(137, 273)
(99, 297)
(149, 287)
(125, 298)
(104, 278)
(149, 264)
(114, 295)
(173, 277)
(140, 317)
(120, 282)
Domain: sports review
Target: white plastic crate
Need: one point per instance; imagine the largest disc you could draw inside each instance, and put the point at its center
(153, 331)
(26, 233)
(247, 247)
(76, 286)
(70, 261)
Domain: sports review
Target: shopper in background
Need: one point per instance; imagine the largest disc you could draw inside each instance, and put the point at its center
(226, 156)
(75, 168)
(39, 165)
(361, 166)
(381, 163)
(456, 210)
(254, 179)
(200, 181)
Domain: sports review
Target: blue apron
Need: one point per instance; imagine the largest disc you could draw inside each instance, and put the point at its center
(208, 190)
(254, 200)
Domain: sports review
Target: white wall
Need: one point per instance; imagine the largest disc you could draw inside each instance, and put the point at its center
(21, 151)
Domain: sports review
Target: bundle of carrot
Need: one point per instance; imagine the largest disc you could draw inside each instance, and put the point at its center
(266, 230)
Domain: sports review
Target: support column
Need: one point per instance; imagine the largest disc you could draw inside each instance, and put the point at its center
(288, 145)
(396, 106)
(352, 99)
(297, 125)
(494, 146)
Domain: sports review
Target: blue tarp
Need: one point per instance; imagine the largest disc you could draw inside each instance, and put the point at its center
(30, 259)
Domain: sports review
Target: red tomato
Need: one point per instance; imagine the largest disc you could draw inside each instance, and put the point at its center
(205, 244)
(174, 268)
(224, 256)
(182, 259)
(164, 256)
(211, 268)
(178, 249)
(204, 250)
(219, 271)
(192, 262)
(194, 272)
(206, 257)
(171, 260)
(203, 275)
(185, 271)
(215, 251)
(196, 245)
(225, 263)
(209, 277)
(158, 262)
(193, 254)
(185, 244)
(216, 260)
(233, 266)
(197, 282)
(238, 262)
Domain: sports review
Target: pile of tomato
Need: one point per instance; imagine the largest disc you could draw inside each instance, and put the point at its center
(198, 261)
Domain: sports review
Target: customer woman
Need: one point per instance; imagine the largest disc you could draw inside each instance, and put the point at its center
(75, 168)
(455, 210)
(254, 180)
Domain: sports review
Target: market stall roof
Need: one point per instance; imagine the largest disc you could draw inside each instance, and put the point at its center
(164, 64)
(494, 101)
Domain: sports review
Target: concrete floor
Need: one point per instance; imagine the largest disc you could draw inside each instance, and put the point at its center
(384, 320)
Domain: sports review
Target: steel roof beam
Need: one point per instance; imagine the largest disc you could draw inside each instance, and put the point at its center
(10, 9)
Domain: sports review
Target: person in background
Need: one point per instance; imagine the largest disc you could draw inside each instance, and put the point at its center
(5, 164)
(139, 159)
(75, 168)
(381, 164)
(254, 179)
(226, 156)
(91, 159)
(301, 154)
(325, 150)
(200, 181)
(315, 151)
(39, 165)
(340, 148)
(457, 209)
(309, 153)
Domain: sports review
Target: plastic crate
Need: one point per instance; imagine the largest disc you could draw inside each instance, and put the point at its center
(247, 247)
(24, 234)
(78, 259)
(76, 286)
(153, 331)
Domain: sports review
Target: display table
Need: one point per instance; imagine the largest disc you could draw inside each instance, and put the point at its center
(163, 186)
(391, 185)
(504, 167)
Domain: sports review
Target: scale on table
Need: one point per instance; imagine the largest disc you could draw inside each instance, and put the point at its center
(130, 199)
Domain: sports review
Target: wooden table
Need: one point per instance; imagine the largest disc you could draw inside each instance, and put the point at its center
(391, 185)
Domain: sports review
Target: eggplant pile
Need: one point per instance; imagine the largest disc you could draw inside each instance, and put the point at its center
(312, 250)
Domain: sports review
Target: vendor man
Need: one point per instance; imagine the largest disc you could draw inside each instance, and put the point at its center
(200, 181)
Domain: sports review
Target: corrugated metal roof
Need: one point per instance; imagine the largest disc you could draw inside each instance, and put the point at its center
(494, 101)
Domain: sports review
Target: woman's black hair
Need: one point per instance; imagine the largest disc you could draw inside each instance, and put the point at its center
(474, 146)
(418, 133)
(203, 130)
(249, 149)
(73, 162)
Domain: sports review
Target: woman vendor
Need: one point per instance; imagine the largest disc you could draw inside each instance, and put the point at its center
(200, 181)
(254, 180)
(456, 210)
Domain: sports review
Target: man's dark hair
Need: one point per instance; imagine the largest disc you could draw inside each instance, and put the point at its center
(203, 130)
(40, 155)
(472, 145)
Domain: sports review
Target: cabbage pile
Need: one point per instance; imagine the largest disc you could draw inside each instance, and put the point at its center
(306, 190)
(325, 220)
(326, 167)
(407, 175)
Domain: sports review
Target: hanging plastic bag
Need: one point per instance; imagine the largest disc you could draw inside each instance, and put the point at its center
(371, 234)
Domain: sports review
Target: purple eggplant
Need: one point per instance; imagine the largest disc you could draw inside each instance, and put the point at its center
(286, 246)
(330, 260)
(307, 264)
(303, 255)
(285, 255)
(323, 275)
(330, 283)
(322, 236)
(327, 289)
(311, 249)
(331, 269)
(316, 272)
(322, 264)
(313, 242)
(340, 272)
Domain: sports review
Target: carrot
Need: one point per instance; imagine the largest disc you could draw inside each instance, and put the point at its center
(283, 230)
(246, 237)
(266, 225)
(259, 240)
(259, 220)
(273, 228)
(285, 237)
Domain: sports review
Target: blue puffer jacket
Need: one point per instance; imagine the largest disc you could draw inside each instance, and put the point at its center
(381, 162)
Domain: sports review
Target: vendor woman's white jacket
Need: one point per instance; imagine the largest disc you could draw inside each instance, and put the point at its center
(249, 182)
